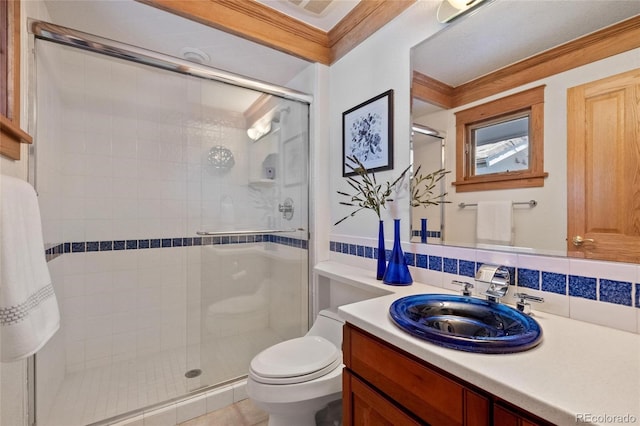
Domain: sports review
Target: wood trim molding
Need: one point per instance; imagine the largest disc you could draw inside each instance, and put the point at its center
(364, 20)
(254, 21)
(11, 135)
(431, 90)
(602, 44)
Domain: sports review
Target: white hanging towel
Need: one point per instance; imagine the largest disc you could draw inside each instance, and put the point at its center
(495, 223)
(29, 313)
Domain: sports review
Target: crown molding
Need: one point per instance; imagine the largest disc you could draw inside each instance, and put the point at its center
(254, 21)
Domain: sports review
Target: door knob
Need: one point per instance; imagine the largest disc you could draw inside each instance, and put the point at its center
(578, 240)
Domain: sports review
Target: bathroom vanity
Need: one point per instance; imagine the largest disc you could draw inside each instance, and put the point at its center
(383, 384)
(581, 373)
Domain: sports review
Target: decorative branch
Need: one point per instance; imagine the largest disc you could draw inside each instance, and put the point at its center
(369, 194)
(425, 196)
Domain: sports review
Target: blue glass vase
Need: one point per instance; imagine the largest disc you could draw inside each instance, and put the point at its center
(382, 260)
(397, 272)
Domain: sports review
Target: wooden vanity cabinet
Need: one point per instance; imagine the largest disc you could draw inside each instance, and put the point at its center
(383, 385)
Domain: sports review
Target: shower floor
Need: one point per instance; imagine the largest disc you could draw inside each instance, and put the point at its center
(94, 395)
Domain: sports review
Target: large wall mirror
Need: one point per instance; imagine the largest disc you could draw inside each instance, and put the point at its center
(482, 57)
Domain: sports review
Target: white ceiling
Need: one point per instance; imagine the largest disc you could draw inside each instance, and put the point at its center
(503, 32)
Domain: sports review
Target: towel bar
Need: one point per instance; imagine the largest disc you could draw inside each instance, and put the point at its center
(531, 203)
(248, 232)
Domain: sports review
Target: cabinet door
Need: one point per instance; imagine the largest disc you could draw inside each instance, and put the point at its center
(429, 395)
(363, 406)
(505, 417)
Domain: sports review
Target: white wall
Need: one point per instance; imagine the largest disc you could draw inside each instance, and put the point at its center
(315, 80)
(380, 63)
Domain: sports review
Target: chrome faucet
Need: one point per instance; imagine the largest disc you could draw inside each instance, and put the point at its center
(497, 277)
(286, 208)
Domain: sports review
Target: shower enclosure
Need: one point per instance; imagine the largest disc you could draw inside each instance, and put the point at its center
(175, 215)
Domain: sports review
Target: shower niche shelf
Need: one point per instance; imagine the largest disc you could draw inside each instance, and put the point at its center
(262, 182)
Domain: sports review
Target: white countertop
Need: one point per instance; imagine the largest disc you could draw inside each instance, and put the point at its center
(579, 369)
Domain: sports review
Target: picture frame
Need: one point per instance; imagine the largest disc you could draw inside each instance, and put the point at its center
(367, 134)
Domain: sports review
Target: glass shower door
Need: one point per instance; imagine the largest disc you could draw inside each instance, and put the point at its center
(248, 269)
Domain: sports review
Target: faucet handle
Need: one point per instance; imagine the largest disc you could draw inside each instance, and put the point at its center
(466, 287)
(523, 305)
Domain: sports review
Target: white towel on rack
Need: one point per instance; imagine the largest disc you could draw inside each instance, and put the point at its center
(495, 223)
(29, 313)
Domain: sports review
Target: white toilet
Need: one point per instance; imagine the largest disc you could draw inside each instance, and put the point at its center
(294, 379)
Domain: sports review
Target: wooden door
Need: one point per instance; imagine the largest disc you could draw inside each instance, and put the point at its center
(603, 174)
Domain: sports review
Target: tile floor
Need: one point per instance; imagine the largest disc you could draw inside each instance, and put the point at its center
(243, 413)
(93, 395)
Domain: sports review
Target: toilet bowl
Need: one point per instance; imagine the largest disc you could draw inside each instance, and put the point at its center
(294, 379)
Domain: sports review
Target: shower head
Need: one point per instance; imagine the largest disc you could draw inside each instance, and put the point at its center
(277, 114)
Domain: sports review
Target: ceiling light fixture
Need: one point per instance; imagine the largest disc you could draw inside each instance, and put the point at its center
(259, 130)
(452, 9)
(425, 130)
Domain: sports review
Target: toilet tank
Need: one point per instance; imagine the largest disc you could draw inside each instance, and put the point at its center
(328, 324)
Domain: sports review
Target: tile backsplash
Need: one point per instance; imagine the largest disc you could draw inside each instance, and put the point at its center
(605, 293)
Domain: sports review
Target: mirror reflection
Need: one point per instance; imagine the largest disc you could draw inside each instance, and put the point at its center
(454, 61)
(427, 151)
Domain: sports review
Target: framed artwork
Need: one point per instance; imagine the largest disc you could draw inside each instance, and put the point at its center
(367, 134)
(295, 160)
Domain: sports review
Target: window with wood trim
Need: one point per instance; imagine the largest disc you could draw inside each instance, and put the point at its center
(10, 133)
(500, 144)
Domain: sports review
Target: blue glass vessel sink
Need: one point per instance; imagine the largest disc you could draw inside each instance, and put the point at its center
(466, 323)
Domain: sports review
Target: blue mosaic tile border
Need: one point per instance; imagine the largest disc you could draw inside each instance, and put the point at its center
(116, 245)
(604, 290)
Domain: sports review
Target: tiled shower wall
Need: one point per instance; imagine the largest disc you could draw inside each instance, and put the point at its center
(134, 149)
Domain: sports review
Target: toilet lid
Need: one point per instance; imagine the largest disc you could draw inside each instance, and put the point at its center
(296, 360)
